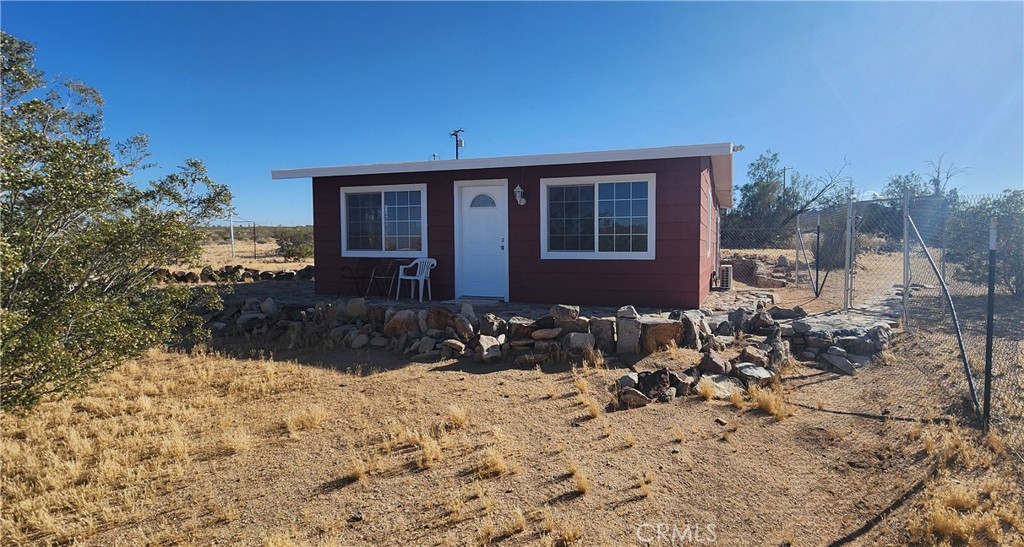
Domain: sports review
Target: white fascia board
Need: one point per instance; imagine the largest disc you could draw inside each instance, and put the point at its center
(698, 150)
(721, 167)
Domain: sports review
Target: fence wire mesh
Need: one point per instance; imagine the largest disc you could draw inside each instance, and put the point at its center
(852, 255)
(955, 233)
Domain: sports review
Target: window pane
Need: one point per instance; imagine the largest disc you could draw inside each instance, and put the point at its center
(403, 198)
(403, 213)
(483, 200)
(363, 218)
(639, 207)
(639, 190)
(606, 226)
(606, 208)
(622, 243)
(639, 226)
(606, 191)
(390, 198)
(621, 190)
(623, 208)
(414, 212)
(416, 243)
(607, 243)
(571, 218)
(639, 244)
(414, 197)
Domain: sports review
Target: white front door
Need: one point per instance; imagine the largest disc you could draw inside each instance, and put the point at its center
(481, 238)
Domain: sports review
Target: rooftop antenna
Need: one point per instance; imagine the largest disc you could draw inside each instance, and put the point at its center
(459, 143)
(434, 157)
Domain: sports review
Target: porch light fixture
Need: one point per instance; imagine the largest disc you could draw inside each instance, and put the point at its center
(519, 195)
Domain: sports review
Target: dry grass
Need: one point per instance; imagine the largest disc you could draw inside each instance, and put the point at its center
(191, 450)
(305, 419)
(457, 417)
(593, 408)
(706, 388)
(770, 401)
(629, 440)
(492, 463)
(581, 384)
(736, 398)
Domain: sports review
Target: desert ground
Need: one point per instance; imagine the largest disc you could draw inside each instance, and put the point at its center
(265, 257)
(242, 444)
(360, 448)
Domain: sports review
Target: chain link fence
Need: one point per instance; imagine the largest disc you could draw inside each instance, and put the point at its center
(854, 256)
(947, 304)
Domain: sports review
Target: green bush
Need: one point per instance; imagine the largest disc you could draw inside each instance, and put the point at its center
(82, 241)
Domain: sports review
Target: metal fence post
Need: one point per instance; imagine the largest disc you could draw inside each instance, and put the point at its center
(847, 272)
(989, 324)
(906, 260)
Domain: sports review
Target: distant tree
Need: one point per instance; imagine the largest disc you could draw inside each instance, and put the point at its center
(898, 184)
(968, 238)
(81, 241)
(295, 243)
(939, 176)
(766, 209)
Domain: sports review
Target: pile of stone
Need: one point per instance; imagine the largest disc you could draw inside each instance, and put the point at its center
(236, 273)
(843, 349)
(439, 331)
(755, 365)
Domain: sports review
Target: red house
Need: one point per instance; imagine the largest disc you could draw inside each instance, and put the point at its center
(603, 228)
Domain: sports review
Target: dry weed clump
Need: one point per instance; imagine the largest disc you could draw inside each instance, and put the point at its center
(308, 418)
(770, 401)
(581, 384)
(457, 417)
(516, 522)
(643, 482)
(236, 441)
(430, 453)
(706, 388)
(579, 476)
(594, 358)
(594, 409)
(492, 463)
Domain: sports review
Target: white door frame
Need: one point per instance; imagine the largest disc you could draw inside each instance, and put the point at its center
(459, 185)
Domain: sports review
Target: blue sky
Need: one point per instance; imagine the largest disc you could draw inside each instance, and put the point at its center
(250, 87)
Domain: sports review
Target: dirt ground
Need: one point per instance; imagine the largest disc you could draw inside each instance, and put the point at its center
(358, 448)
(264, 258)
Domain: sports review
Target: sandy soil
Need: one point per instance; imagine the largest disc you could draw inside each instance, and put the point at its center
(360, 448)
(265, 258)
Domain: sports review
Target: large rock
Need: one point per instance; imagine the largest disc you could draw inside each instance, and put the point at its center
(421, 319)
(724, 385)
(801, 327)
(603, 329)
(628, 312)
(520, 327)
(453, 347)
(787, 313)
(579, 341)
(250, 320)
(425, 344)
(468, 313)
(714, 363)
(753, 355)
(401, 323)
(489, 349)
(546, 334)
(628, 380)
(632, 397)
(438, 318)
(562, 312)
(580, 324)
(842, 364)
(492, 325)
(627, 332)
(360, 340)
(356, 308)
(753, 374)
(658, 332)
(269, 307)
(760, 322)
(463, 327)
(739, 318)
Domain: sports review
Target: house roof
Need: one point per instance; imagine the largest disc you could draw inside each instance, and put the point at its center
(720, 154)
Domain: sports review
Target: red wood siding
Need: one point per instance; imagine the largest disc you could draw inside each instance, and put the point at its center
(678, 277)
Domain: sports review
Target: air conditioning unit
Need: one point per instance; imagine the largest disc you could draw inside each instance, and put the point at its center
(725, 277)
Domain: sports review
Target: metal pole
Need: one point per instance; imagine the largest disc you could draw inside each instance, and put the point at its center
(956, 320)
(817, 257)
(254, 241)
(989, 323)
(231, 224)
(799, 245)
(849, 256)
(906, 259)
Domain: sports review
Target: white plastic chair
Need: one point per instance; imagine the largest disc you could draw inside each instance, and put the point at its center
(421, 272)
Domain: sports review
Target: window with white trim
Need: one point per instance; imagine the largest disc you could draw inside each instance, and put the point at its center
(602, 217)
(384, 221)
